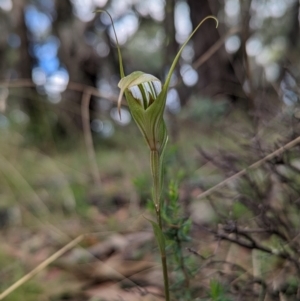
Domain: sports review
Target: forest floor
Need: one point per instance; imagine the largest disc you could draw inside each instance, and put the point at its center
(48, 197)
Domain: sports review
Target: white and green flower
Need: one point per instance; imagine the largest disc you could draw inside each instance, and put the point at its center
(144, 87)
(146, 98)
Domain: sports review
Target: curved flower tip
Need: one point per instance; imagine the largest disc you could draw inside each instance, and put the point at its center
(142, 86)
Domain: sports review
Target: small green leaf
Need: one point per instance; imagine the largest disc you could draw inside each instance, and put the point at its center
(176, 59)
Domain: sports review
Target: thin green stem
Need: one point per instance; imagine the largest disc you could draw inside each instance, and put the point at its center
(158, 215)
(165, 274)
(155, 169)
(154, 161)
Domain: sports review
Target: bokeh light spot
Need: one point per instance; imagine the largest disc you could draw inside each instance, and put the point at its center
(189, 75)
(125, 119)
(232, 44)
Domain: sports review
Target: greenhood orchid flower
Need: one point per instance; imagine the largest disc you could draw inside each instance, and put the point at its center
(144, 95)
(145, 88)
(146, 98)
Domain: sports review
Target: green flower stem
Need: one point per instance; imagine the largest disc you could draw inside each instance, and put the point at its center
(165, 274)
(155, 161)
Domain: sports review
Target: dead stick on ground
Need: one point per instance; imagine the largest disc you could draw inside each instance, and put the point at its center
(253, 166)
(41, 266)
(85, 116)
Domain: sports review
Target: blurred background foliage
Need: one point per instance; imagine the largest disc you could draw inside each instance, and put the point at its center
(234, 98)
(59, 43)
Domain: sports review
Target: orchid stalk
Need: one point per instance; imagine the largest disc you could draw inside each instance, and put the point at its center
(146, 97)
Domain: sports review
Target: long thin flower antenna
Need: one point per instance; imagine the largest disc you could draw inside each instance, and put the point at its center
(122, 74)
(175, 61)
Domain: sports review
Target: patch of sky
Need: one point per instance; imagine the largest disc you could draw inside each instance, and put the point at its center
(274, 9)
(153, 8)
(49, 65)
(48, 74)
(271, 8)
(57, 81)
(287, 86)
(232, 10)
(6, 5)
(233, 44)
(189, 75)
(39, 76)
(84, 9)
(173, 101)
(254, 46)
(183, 24)
(47, 49)
(125, 27)
(119, 7)
(290, 98)
(188, 52)
(126, 117)
(105, 19)
(37, 22)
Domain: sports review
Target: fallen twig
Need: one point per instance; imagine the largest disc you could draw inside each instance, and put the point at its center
(239, 174)
(41, 266)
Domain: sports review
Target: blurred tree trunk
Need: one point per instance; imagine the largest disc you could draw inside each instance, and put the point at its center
(74, 52)
(293, 39)
(294, 33)
(217, 75)
(79, 58)
(23, 65)
(169, 26)
(171, 49)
